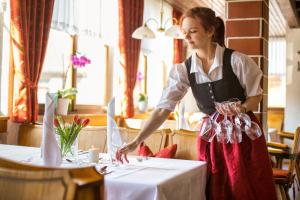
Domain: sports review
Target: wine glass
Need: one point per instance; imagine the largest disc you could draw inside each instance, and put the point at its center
(236, 136)
(243, 121)
(209, 128)
(206, 132)
(253, 131)
(226, 130)
(117, 140)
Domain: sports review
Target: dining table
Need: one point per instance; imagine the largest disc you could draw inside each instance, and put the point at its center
(143, 178)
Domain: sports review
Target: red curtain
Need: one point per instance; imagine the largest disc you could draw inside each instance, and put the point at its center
(130, 18)
(30, 27)
(179, 50)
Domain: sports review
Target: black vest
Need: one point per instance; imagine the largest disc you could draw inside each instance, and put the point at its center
(222, 90)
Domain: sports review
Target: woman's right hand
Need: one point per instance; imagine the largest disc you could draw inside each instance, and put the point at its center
(121, 153)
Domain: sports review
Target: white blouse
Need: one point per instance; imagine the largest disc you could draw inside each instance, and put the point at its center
(246, 70)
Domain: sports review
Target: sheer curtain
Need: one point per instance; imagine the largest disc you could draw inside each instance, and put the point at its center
(277, 72)
(84, 17)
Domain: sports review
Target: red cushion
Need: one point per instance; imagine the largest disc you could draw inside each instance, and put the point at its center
(144, 150)
(279, 173)
(168, 152)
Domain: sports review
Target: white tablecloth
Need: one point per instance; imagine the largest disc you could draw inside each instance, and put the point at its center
(149, 179)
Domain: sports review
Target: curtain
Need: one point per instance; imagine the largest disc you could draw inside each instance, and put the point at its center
(130, 18)
(30, 27)
(277, 56)
(179, 51)
(78, 17)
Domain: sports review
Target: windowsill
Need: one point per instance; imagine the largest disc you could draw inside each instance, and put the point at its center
(3, 118)
(80, 109)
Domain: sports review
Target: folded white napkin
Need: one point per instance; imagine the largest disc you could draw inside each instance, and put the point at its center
(50, 150)
(114, 139)
(182, 122)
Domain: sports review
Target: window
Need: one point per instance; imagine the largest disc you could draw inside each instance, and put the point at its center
(87, 34)
(91, 80)
(159, 53)
(277, 72)
(57, 60)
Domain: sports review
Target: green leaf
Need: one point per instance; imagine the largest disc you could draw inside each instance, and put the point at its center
(69, 93)
(142, 97)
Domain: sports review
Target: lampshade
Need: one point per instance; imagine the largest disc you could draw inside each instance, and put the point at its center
(174, 32)
(143, 32)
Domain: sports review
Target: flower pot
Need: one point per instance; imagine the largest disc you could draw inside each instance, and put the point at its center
(62, 106)
(142, 106)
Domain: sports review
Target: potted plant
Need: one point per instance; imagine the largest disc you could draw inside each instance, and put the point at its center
(142, 102)
(63, 99)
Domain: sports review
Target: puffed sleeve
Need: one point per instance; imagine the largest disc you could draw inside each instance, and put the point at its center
(248, 73)
(177, 86)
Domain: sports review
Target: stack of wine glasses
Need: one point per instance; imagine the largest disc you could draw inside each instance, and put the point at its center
(228, 128)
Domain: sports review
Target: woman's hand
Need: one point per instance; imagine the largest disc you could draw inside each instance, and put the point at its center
(230, 108)
(121, 154)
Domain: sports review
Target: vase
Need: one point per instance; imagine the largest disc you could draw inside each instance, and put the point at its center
(142, 106)
(68, 148)
(62, 106)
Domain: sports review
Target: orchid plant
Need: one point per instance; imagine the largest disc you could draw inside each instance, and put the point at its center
(79, 61)
(140, 78)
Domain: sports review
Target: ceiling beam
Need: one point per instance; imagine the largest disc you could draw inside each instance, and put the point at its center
(289, 12)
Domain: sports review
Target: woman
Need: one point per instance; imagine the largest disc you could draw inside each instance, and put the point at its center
(216, 74)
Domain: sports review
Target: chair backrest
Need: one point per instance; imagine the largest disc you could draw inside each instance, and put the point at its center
(186, 144)
(46, 184)
(156, 141)
(276, 118)
(95, 136)
(139, 123)
(88, 181)
(295, 150)
(31, 135)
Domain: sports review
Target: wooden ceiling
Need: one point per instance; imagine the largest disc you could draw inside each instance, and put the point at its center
(183, 5)
(281, 13)
(291, 11)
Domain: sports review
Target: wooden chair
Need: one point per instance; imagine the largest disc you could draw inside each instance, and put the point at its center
(186, 144)
(88, 182)
(276, 118)
(156, 141)
(285, 178)
(46, 184)
(31, 135)
(95, 136)
(138, 123)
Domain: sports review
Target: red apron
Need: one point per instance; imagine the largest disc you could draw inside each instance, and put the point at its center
(237, 171)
